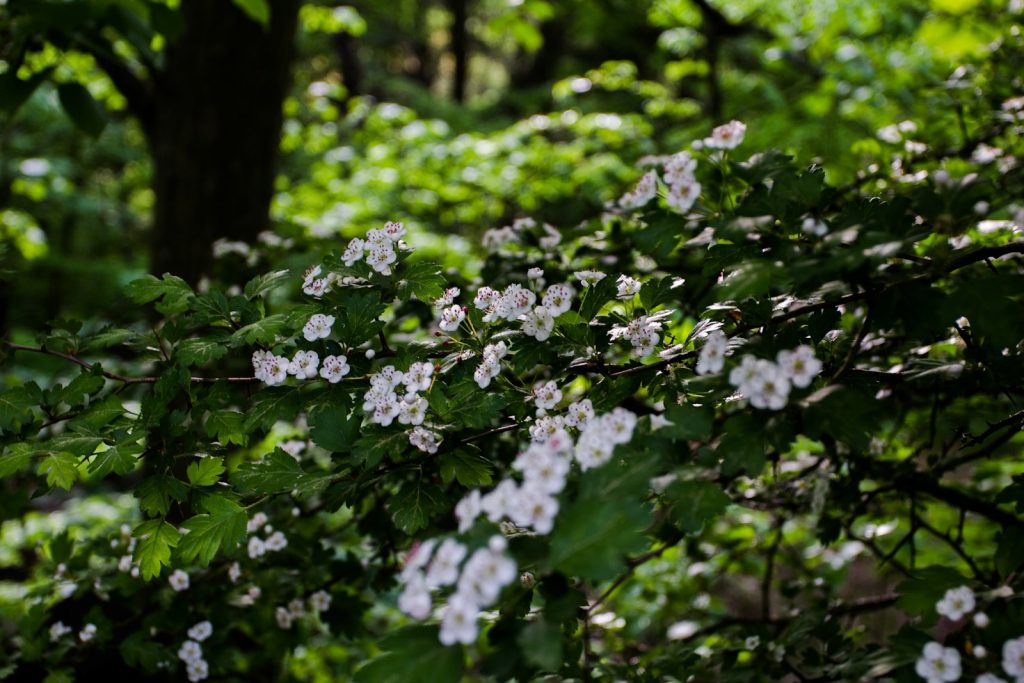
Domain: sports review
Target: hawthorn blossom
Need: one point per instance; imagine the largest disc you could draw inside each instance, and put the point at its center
(424, 439)
(58, 630)
(546, 395)
(304, 364)
(190, 651)
(712, 354)
(412, 412)
(642, 193)
(485, 573)
(679, 168)
(727, 136)
(415, 597)
(380, 258)
(394, 230)
(320, 601)
(334, 368)
(283, 617)
(201, 631)
(956, 603)
(444, 568)
(538, 323)
(353, 252)
(269, 368)
(1013, 657)
(800, 365)
(579, 413)
(418, 376)
(937, 663)
(628, 287)
(87, 633)
(178, 580)
(458, 621)
(558, 298)
(467, 510)
(814, 226)
(589, 277)
(447, 297)
(451, 318)
(318, 327)
(683, 195)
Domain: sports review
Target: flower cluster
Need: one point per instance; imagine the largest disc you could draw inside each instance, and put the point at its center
(727, 136)
(258, 547)
(642, 332)
(191, 652)
(383, 403)
(644, 191)
(683, 188)
(490, 364)
(269, 368)
(481, 579)
(496, 238)
(379, 247)
(768, 384)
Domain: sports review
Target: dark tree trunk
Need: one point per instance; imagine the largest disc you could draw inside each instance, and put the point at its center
(351, 69)
(460, 47)
(215, 130)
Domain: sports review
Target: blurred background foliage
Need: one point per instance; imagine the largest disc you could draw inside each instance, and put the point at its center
(454, 115)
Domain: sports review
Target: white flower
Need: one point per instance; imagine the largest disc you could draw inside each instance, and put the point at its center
(890, 134)
(304, 364)
(269, 368)
(538, 323)
(297, 608)
(485, 372)
(800, 365)
(618, 425)
(658, 421)
(256, 547)
(412, 412)
(334, 368)
(814, 226)
(58, 630)
(589, 277)
(381, 257)
(981, 620)
(467, 510)
(190, 651)
(179, 580)
(938, 663)
(642, 193)
(444, 568)
(956, 603)
(769, 388)
(87, 633)
(458, 621)
(679, 168)
(987, 678)
(353, 252)
(712, 354)
(558, 299)
(451, 318)
(318, 327)
(486, 572)
(535, 509)
(485, 298)
(546, 395)
(284, 617)
(320, 601)
(580, 413)
(593, 449)
(683, 195)
(727, 136)
(424, 439)
(418, 376)
(500, 500)
(197, 670)
(394, 230)
(124, 564)
(201, 631)
(415, 598)
(447, 297)
(275, 542)
(1013, 657)
(628, 287)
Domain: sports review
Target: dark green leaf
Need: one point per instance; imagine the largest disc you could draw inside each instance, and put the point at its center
(414, 655)
(120, 459)
(153, 549)
(81, 108)
(415, 504)
(222, 527)
(61, 470)
(694, 503)
(205, 471)
(266, 282)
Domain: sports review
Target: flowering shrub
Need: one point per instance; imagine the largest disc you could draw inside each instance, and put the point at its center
(714, 429)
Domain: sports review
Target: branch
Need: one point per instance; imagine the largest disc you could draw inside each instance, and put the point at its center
(113, 375)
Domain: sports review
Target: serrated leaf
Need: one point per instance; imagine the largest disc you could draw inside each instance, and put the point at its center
(262, 331)
(273, 404)
(81, 108)
(374, 446)
(424, 279)
(61, 469)
(86, 383)
(414, 655)
(596, 296)
(358, 317)
(199, 351)
(15, 459)
(227, 426)
(76, 444)
(469, 469)
(223, 527)
(174, 291)
(107, 337)
(276, 472)
(205, 471)
(541, 645)
(155, 539)
(333, 427)
(120, 459)
(414, 505)
(690, 423)
(265, 282)
(467, 405)
(156, 493)
(15, 408)
(695, 503)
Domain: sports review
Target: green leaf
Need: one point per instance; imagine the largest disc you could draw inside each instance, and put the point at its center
(1010, 551)
(414, 655)
(358, 317)
(257, 10)
(205, 471)
(15, 406)
(76, 444)
(414, 505)
(689, 422)
(926, 586)
(375, 445)
(742, 447)
(223, 527)
(61, 470)
(541, 645)
(333, 427)
(276, 472)
(593, 536)
(596, 296)
(155, 493)
(469, 469)
(16, 458)
(226, 426)
(120, 459)
(264, 283)
(155, 539)
(262, 331)
(424, 279)
(273, 404)
(81, 108)
(88, 382)
(107, 337)
(99, 414)
(199, 351)
(14, 92)
(467, 405)
(174, 292)
(695, 503)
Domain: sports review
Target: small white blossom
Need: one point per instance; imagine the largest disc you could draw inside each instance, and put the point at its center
(353, 252)
(58, 630)
(727, 136)
(546, 395)
(628, 287)
(644, 191)
(800, 365)
(712, 354)
(283, 617)
(334, 368)
(179, 580)
(190, 651)
(304, 364)
(318, 327)
(451, 318)
(201, 631)
(538, 323)
(458, 621)
(956, 603)
(1013, 657)
(424, 439)
(320, 601)
(938, 663)
(814, 226)
(589, 277)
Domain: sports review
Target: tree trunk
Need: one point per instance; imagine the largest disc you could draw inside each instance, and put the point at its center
(215, 131)
(460, 47)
